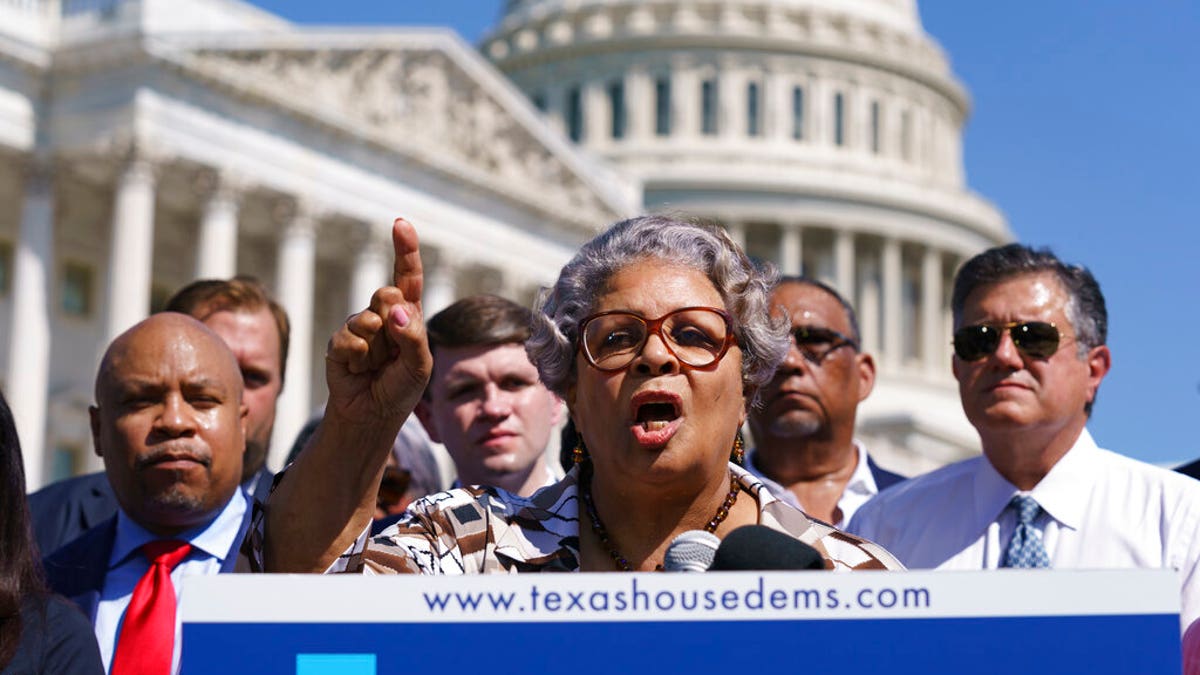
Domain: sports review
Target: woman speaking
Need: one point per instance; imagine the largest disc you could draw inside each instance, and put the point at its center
(657, 335)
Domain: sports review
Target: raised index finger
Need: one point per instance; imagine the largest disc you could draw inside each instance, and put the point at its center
(407, 274)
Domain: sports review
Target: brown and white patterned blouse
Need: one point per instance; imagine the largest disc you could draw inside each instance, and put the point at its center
(484, 530)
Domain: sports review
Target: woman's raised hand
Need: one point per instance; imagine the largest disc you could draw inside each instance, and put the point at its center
(378, 363)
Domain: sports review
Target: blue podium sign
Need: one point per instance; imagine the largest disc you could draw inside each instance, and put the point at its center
(1007, 621)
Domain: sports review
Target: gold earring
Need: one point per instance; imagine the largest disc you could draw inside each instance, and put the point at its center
(739, 450)
(579, 453)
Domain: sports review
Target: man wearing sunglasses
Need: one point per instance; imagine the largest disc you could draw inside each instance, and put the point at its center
(1030, 354)
(805, 451)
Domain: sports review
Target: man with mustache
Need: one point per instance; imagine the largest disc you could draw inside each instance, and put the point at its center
(1030, 355)
(170, 423)
(803, 427)
(484, 401)
(256, 328)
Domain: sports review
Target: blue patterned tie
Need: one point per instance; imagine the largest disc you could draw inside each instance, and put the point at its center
(1025, 549)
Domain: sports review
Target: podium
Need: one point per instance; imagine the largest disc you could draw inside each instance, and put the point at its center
(1005, 621)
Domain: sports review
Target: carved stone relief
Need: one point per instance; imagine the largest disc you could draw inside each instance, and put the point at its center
(418, 100)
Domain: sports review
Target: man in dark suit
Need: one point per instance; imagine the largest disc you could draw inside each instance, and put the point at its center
(256, 328)
(805, 449)
(170, 423)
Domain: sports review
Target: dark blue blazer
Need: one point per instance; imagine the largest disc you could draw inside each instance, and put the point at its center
(64, 510)
(76, 571)
(883, 478)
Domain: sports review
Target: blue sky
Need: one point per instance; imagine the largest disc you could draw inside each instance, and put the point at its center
(1084, 133)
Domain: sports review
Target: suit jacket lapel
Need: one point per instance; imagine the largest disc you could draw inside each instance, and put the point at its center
(883, 477)
(235, 560)
(98, 506)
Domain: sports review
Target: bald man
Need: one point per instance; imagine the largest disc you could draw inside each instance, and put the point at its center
(170, 424)
(256, 328)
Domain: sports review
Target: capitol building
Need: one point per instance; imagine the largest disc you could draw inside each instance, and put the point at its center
(147, 143)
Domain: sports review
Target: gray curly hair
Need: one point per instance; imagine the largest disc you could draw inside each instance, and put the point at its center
(744, 288)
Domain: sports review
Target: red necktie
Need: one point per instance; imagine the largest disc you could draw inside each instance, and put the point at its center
(147, 640)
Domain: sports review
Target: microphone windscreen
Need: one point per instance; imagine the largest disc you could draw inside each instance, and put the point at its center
(757, 547)
(691, 551)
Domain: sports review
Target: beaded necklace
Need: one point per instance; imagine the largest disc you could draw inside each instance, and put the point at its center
(602, 533)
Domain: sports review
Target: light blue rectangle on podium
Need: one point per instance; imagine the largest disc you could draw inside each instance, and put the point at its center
(335, 664)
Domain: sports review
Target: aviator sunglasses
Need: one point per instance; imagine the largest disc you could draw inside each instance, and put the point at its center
(1036, 339)
(816, 343)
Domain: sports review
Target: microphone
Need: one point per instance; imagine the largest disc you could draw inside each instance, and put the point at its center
(757, 547)
(691, 551)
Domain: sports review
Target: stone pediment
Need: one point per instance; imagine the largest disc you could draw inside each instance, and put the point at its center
(433, 100)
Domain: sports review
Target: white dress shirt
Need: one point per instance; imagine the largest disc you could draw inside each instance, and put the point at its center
(126, 565)
(858, 491)
(1100, 510)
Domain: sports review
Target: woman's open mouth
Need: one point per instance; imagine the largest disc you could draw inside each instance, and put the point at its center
(656, 417)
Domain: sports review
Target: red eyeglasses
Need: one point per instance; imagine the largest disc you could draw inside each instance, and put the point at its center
(697, 336)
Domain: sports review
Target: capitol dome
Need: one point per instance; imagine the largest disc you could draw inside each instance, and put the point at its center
(826, 135)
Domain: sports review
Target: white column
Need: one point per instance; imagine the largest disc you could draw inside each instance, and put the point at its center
(791, 249)
(948, 314)
(27, 387)
(371, 270)
(954, 155)
(295, 270)
(131, 247)
(843, 262)
(889, 121)
(597, 120)
(639, 105)
(851, 117)
(440, 287)
(811, 114)
(731, 103)
(931, 312)
(777, 110)
(905, 144)
(819, 110)
(556, 106)
(923, 138)
(685, 98)
(868, 304)
(893, 299)
(216, 249)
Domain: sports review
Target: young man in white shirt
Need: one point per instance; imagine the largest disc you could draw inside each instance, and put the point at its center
(484, 401)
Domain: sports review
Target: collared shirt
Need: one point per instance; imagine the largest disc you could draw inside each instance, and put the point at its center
(210, 545)
(1100, 510)
(859, 489)
(487, 530)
